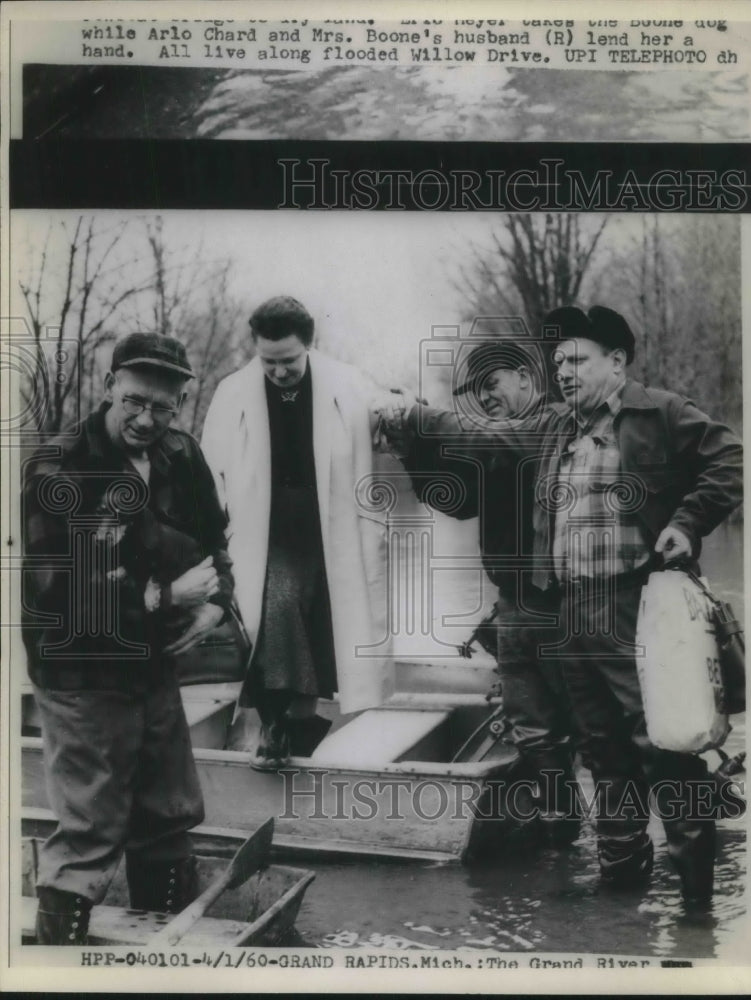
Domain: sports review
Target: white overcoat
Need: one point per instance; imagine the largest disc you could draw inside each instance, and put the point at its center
(236, 443)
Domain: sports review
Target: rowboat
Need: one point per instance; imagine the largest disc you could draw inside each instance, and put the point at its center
(383, 783)
(262, 911)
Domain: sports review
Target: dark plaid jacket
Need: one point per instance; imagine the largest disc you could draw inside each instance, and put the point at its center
(492, 483)
(95, 533)
(690, 466)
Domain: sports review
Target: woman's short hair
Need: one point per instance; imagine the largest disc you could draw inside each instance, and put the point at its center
(281, 316)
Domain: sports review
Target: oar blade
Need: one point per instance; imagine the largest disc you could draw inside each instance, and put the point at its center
(253, 855)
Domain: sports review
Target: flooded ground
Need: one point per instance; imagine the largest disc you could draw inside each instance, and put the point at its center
(545, 901)
(540, 901)
(400, 103)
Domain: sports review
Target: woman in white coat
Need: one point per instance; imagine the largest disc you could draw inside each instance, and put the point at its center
(288, 439)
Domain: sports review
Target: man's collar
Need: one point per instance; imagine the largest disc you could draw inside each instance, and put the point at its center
(165, 447)
(613, 402)
(98, 443)
(636, 397)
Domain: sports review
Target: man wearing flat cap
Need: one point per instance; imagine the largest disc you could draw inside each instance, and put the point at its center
(630, 478)
(125, 567)
(508, 381)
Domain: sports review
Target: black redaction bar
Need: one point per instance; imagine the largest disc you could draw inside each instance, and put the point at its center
(391, 176)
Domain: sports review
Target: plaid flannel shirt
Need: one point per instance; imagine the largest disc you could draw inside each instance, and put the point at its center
(682, 467)
(596, 532)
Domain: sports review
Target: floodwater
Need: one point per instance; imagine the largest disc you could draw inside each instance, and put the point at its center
(472, 104)
(542, 901)
(531, 902)
(393, 103)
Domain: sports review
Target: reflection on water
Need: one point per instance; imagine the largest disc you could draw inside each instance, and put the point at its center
(477, 104)
(404, 102)
(539, 902)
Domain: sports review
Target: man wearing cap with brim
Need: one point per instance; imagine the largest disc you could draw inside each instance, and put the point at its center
(106, 507)
(630, 478)
(507, 381)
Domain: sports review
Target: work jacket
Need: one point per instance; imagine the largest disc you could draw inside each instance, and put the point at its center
(95, 534)
(497, 486)
(686, 469)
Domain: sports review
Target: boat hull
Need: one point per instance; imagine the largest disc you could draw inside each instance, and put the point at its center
(414, 804)
(418, 810)
(262, 911)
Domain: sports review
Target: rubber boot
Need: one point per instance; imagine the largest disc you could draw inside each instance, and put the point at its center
(161, 886)
(625, 862)
(506, 814)
(692, 850)
(558, 802)
(305, 734)
(62, 917)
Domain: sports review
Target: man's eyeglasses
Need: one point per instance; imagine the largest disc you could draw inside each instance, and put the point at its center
(134, 406)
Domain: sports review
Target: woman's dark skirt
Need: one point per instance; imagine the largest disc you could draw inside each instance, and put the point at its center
(295, 646)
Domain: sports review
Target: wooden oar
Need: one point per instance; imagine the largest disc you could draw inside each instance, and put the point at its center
(253, 855)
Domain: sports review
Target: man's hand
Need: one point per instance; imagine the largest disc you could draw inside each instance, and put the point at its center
(196, 586)
(205, 619)
(673, 544)
(392, 408)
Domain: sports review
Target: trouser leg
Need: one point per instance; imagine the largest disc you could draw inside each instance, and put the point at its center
(91, 741)
(536, 704)
(167, 803)
(604, 686)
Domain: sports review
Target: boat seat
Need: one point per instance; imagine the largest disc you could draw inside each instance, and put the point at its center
(209, 709)
(379, 736)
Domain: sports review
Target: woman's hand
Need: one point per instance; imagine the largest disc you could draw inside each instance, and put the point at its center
(195, 586)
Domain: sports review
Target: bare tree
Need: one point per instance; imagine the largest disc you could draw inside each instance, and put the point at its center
(73, 291)
(217, 344)
(93, 280)
(685, 276)
(533, 263)
(191, 300)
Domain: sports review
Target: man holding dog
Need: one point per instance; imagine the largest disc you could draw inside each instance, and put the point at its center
(125, 567)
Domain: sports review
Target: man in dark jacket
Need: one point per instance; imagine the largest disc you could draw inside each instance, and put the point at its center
(111, 508)
(507, 381)
(630, 478)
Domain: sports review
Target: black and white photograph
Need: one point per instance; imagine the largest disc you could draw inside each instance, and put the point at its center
(373, 508)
